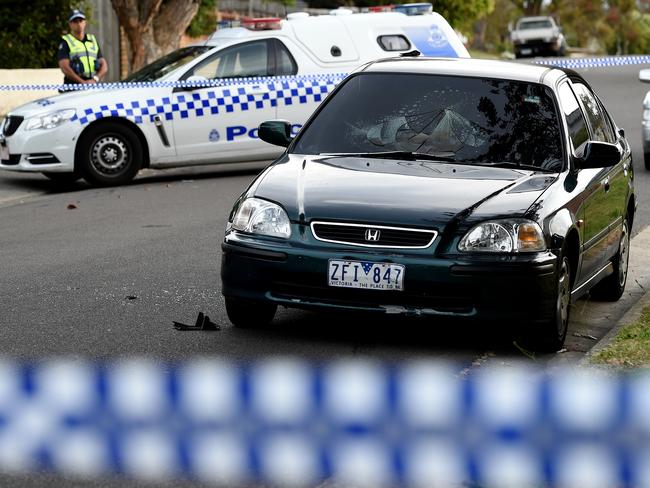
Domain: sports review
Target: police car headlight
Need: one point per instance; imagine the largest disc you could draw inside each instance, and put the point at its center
(504, 236)
(262, 217)
(51, 120)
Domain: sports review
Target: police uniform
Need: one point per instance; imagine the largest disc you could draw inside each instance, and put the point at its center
(84, 55)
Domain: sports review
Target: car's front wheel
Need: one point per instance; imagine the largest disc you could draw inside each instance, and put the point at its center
(109, 154)
(550, 335)
(611, 288)
(247, 315)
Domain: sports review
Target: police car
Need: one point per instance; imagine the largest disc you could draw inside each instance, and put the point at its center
(202, 104)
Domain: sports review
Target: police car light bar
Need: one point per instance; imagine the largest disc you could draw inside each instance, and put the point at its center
(227, 24)
(381, 8)
(260, 24)
(414, 8)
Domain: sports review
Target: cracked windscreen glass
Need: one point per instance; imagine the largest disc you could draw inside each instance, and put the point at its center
(467, 120)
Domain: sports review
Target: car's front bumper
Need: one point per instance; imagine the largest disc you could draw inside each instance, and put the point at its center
(41, 149)
(538, 48)
(507, 288)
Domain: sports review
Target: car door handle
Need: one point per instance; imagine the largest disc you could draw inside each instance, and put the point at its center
(606, 184)
(256, 90)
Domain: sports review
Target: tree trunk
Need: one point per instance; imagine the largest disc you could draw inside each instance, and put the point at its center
(153, 27)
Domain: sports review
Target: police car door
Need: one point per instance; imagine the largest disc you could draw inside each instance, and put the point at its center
(220, 123)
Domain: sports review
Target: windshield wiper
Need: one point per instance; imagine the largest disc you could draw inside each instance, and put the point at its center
(509, 164)
(407, 155)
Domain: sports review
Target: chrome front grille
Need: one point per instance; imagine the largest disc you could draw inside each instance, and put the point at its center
(373, 235)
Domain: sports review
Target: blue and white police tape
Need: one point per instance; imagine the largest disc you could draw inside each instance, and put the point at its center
(598, 62)
(177, 84)
(289, 423)
(574, 63)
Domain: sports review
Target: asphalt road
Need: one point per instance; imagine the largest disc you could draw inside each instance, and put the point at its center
(102, 273)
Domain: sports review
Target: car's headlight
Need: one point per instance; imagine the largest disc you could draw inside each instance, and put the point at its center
(262, 217)
(51, 120)
(504, 236)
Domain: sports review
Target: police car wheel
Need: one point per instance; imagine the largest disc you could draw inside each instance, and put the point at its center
(62, 178)
(110, 154)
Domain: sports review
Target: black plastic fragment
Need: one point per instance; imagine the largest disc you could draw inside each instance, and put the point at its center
(203, 322)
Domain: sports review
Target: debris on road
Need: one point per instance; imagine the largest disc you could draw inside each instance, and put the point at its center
(131, 297)
(71, 206)
(203, 322)
(585, 336)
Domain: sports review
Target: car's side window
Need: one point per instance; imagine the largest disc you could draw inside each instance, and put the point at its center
(395, 42)
(285, 65)
(250, 59)
(571, 108)
(597, 118)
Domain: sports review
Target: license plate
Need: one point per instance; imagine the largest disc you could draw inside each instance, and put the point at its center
(4, 152)
(366, 275)
(526, 51)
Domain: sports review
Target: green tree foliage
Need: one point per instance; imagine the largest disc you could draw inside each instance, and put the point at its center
(462, 14)
(491, 32)
(583, 22)
(30, 32)
(205, 21)
(631, 28)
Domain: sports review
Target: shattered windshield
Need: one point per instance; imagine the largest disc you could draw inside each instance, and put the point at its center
(469, 120)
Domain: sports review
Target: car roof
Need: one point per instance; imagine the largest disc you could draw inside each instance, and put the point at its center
(537, 17)
(479, 68)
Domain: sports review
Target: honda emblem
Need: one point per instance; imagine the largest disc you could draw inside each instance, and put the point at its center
(372, 235)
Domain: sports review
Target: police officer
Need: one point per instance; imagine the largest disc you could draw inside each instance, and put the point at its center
(80, 57)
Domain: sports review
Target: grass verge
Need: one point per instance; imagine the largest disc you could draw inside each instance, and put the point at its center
(631, 347)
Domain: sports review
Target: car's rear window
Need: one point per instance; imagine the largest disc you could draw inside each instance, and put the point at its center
(473, 120)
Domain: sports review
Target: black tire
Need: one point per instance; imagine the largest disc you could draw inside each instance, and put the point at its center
(109, 154)
(611, 288)
(646, 159)
(63, 178)
(248, 315)
(550, 336)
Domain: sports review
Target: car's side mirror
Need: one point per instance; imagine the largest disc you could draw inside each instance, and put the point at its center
(599, 155)
(644, 75)
(276, 132)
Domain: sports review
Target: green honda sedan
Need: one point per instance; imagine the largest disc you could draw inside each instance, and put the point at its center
(456, 188)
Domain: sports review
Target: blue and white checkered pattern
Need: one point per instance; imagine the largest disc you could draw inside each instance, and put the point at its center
(121, 85)
(226, 99)
(288, 423)
(598, 62)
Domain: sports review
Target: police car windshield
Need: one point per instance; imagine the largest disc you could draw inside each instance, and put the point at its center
(469, 120)
(168, 63)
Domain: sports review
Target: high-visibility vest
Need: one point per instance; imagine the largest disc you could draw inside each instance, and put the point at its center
(83, 55)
